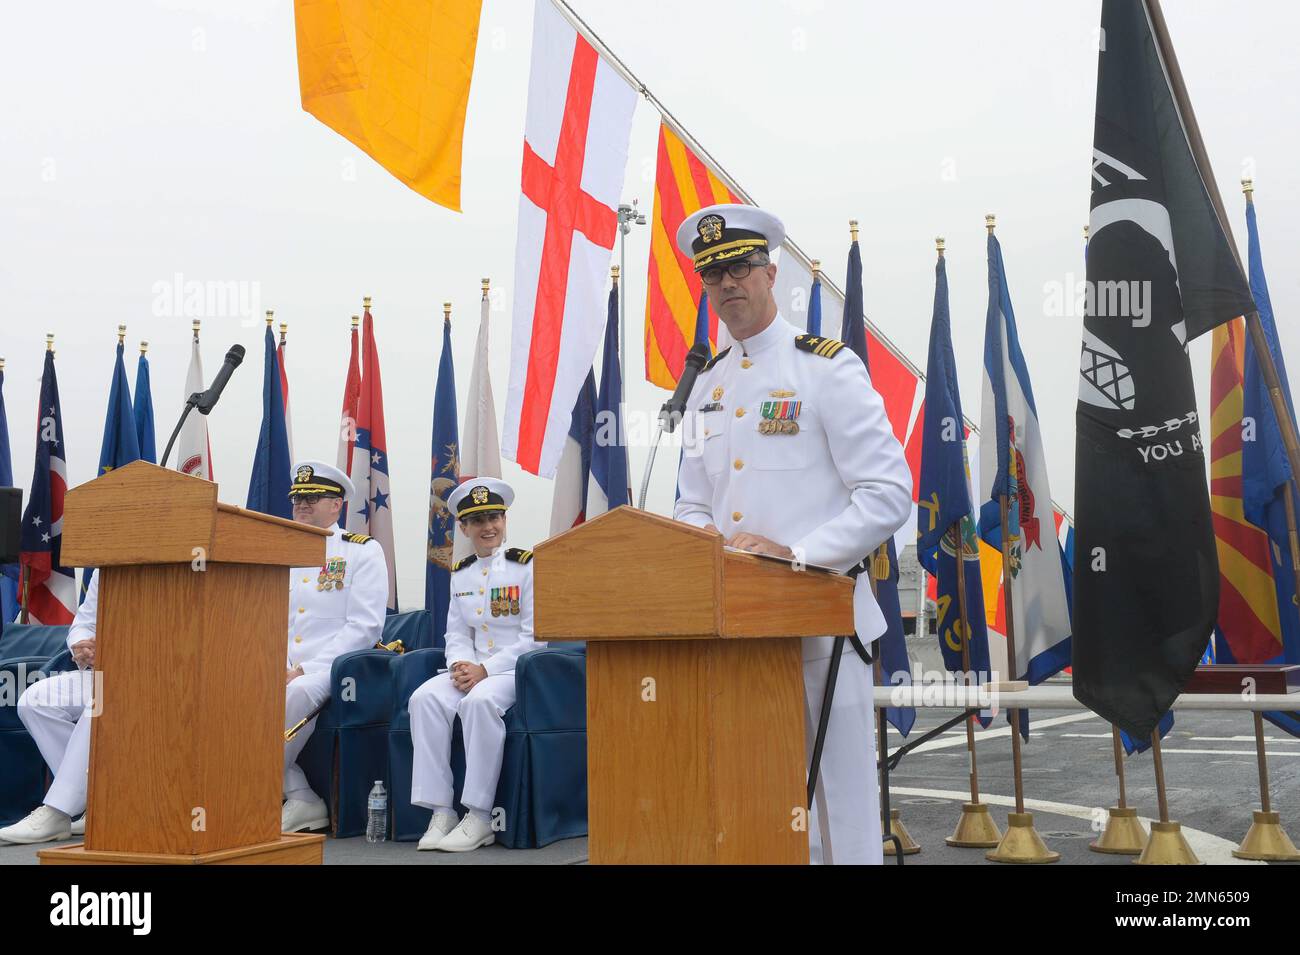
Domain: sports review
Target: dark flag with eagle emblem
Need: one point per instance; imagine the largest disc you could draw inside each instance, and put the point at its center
(1161, 271)
(444, 475)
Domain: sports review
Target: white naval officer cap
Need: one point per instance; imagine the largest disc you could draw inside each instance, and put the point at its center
(317, 477)
(720, 234)
(480, 495)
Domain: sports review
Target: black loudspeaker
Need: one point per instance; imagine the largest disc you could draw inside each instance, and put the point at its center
(11, 522)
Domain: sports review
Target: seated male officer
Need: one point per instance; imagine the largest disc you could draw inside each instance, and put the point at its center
(56, 712)
(332, 610)
(489, 626)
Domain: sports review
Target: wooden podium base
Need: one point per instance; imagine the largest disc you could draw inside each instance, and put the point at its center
(291, 849)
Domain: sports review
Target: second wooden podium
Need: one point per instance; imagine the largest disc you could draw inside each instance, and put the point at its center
(695, 702)
(187, 751)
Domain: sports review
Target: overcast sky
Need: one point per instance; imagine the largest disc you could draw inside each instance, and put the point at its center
(146, 140)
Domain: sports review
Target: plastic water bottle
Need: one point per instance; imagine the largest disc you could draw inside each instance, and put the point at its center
(377, 819)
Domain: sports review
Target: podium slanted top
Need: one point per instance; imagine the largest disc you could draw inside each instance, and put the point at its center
(144, 514)
(633, 575)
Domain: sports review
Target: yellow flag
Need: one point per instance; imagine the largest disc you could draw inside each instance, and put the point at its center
(392, 77)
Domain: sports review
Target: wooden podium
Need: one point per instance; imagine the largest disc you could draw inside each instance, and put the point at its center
(187, 744)
(695, 703)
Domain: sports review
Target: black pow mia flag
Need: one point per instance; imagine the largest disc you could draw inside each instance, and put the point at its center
(1161, 270)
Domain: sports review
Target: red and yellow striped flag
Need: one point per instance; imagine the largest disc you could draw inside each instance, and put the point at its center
(683, 184)
(1248, 615)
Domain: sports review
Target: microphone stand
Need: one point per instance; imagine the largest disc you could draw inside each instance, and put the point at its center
(650, 463)
(190, 404)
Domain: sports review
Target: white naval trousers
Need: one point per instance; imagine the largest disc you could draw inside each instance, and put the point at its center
(482, 710)
(301, 695)
(844, 822)
(57, 712)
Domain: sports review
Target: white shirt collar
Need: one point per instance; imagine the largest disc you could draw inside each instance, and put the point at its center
(775, 332)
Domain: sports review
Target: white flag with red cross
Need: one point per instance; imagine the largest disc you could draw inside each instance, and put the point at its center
(575, 152)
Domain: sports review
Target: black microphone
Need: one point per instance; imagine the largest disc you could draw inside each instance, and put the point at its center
(671, 413)
(205, 401)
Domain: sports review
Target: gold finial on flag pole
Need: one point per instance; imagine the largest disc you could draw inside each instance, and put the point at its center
(121, 334)
(990, 221)
(144, 346)
(446, 312)
(1248, 187)
(195, 326)
(2, 364)
(270, 317)
(1085, 233)
(486, 285)
(49, 341)
(853, 229)
(356, 320)
(365, 302)
(613, 273)
(816, 269)
(284, 330)
(938, 245)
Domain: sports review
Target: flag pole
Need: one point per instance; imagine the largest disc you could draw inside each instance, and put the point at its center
(1167, 845)
(1266, 839)
(1021, 843)
(975, 827)
(1123, 834)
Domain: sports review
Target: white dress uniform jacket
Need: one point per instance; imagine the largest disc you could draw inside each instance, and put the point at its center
(833, 490)
(474, 633)
(333, 609)
(495, 641)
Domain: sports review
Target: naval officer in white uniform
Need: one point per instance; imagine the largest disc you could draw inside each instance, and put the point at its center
(332, 610)
(57, 711)
(791, 454)
(489, 626)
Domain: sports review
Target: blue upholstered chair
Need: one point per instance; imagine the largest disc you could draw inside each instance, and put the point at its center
(543, 785)
(25, 650)
(348, 749)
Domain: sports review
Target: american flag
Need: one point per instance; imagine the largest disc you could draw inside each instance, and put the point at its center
(51, 589)
(371, 511)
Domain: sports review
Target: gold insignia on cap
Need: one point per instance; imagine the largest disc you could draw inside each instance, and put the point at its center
(305, 474)
(479, 494)
(710, 228)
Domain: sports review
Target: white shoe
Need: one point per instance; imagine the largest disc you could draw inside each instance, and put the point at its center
(441, 824)
(302, 814)
(79, 825)
(470, 834)
(43, 824)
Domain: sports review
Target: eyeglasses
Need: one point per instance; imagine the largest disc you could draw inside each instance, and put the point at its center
(737, 270)
(308, 500)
